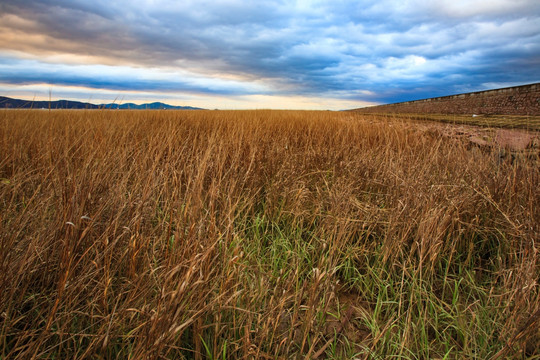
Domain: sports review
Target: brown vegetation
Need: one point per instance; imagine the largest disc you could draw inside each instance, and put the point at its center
(262, 234)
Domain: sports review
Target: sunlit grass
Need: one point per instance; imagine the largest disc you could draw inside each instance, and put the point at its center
(261, 234)
(496, 121)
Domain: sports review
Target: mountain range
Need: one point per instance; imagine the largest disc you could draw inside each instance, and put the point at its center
(6, 102)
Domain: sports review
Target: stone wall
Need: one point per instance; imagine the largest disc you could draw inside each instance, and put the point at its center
(517, 100)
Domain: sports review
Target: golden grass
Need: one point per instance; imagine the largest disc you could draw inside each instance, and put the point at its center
(261, 234)
(527, 122)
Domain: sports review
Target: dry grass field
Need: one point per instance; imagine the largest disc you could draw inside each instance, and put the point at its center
(262, 235)
(494, 121)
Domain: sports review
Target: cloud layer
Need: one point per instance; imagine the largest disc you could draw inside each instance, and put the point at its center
(341, 51)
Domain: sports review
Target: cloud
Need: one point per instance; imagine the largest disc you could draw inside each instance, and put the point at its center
(382, 51)
(16, 71)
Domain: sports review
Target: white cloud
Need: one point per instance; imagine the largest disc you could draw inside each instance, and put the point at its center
(484, 8)
(343, 49)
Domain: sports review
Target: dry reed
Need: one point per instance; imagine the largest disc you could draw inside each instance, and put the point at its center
(261, 234)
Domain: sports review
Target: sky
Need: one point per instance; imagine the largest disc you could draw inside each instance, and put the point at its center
(265, 54)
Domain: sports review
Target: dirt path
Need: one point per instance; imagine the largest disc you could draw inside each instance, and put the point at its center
(514, 140)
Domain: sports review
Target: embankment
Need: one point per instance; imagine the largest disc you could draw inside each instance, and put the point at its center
(517, 100)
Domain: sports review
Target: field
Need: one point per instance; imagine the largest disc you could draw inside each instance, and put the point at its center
(493, 121)
(262, 234)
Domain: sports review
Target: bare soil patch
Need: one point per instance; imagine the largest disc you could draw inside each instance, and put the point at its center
(513, 140)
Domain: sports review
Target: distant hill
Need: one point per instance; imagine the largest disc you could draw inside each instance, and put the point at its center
(151, 106)
(6, 102)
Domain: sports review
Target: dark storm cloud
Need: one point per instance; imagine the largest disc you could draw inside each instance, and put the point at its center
(382, 51)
